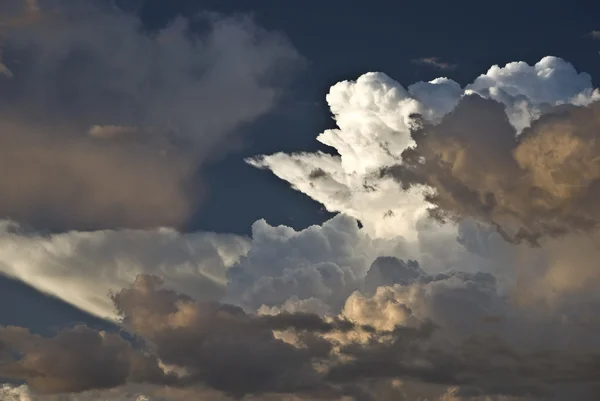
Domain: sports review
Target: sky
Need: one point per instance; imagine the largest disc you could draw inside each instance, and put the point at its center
(234, 200)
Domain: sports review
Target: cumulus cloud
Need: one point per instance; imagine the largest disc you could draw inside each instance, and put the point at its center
(91, 68)
(541, 183)
(211, 343)
(81, 268)
(435, 331)
(427, 332)
(402, 308)
(219, 344)
(508, 158)
(75, 360)
(319, 266)
(374, 118)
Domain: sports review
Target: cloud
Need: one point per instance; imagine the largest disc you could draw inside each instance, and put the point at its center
(219, 344)
(594, 35)
(213, 344)
(402, 308)
(323, 264)
(91, 68)
(83, 267)
(75, 360)
(510, 152)
(435, 62)
(429, 332)
(541, 183)
(15, 393)
(374, 118)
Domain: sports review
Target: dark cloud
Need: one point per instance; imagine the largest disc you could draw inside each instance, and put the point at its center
(221, 347)
(300, 321)
(217, 344)
(75, 360)
(481, 365)
(105, 125)
(388, 270)
(58, 180)
(543, 182)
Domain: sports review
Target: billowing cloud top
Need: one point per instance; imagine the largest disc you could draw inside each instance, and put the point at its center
(375, 119)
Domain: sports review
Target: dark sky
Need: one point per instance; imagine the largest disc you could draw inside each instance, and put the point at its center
(341, 40)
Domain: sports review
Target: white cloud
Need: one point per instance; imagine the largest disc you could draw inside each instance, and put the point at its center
(325, 263)
(527, 91)
(15, 393)
(82, 267)
(372, 114)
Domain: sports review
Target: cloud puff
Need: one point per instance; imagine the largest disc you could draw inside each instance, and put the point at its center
(529, 91)
(374, 121)
(323, 263)
(83, 267)
(88, 67)
(541, 183)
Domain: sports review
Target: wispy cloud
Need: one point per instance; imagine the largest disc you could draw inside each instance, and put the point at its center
(5, 71)
(594, 35)
(435, 62)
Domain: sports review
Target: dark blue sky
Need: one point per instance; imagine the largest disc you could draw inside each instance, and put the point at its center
(341, 40)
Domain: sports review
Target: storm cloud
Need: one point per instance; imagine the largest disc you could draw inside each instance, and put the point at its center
(105, 124)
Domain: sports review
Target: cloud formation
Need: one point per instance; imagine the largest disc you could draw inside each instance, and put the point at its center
(322, 263)
(91, 68)
(402, 308)
(540, 183)
(83, 267)
(431, 331)
(375, 116)
(75, 360)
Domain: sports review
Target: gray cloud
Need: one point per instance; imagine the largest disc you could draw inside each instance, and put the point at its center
(594, 35)
(435, 62)
(221, 347)
(74, 360)
(155, 105)
(542, 182)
